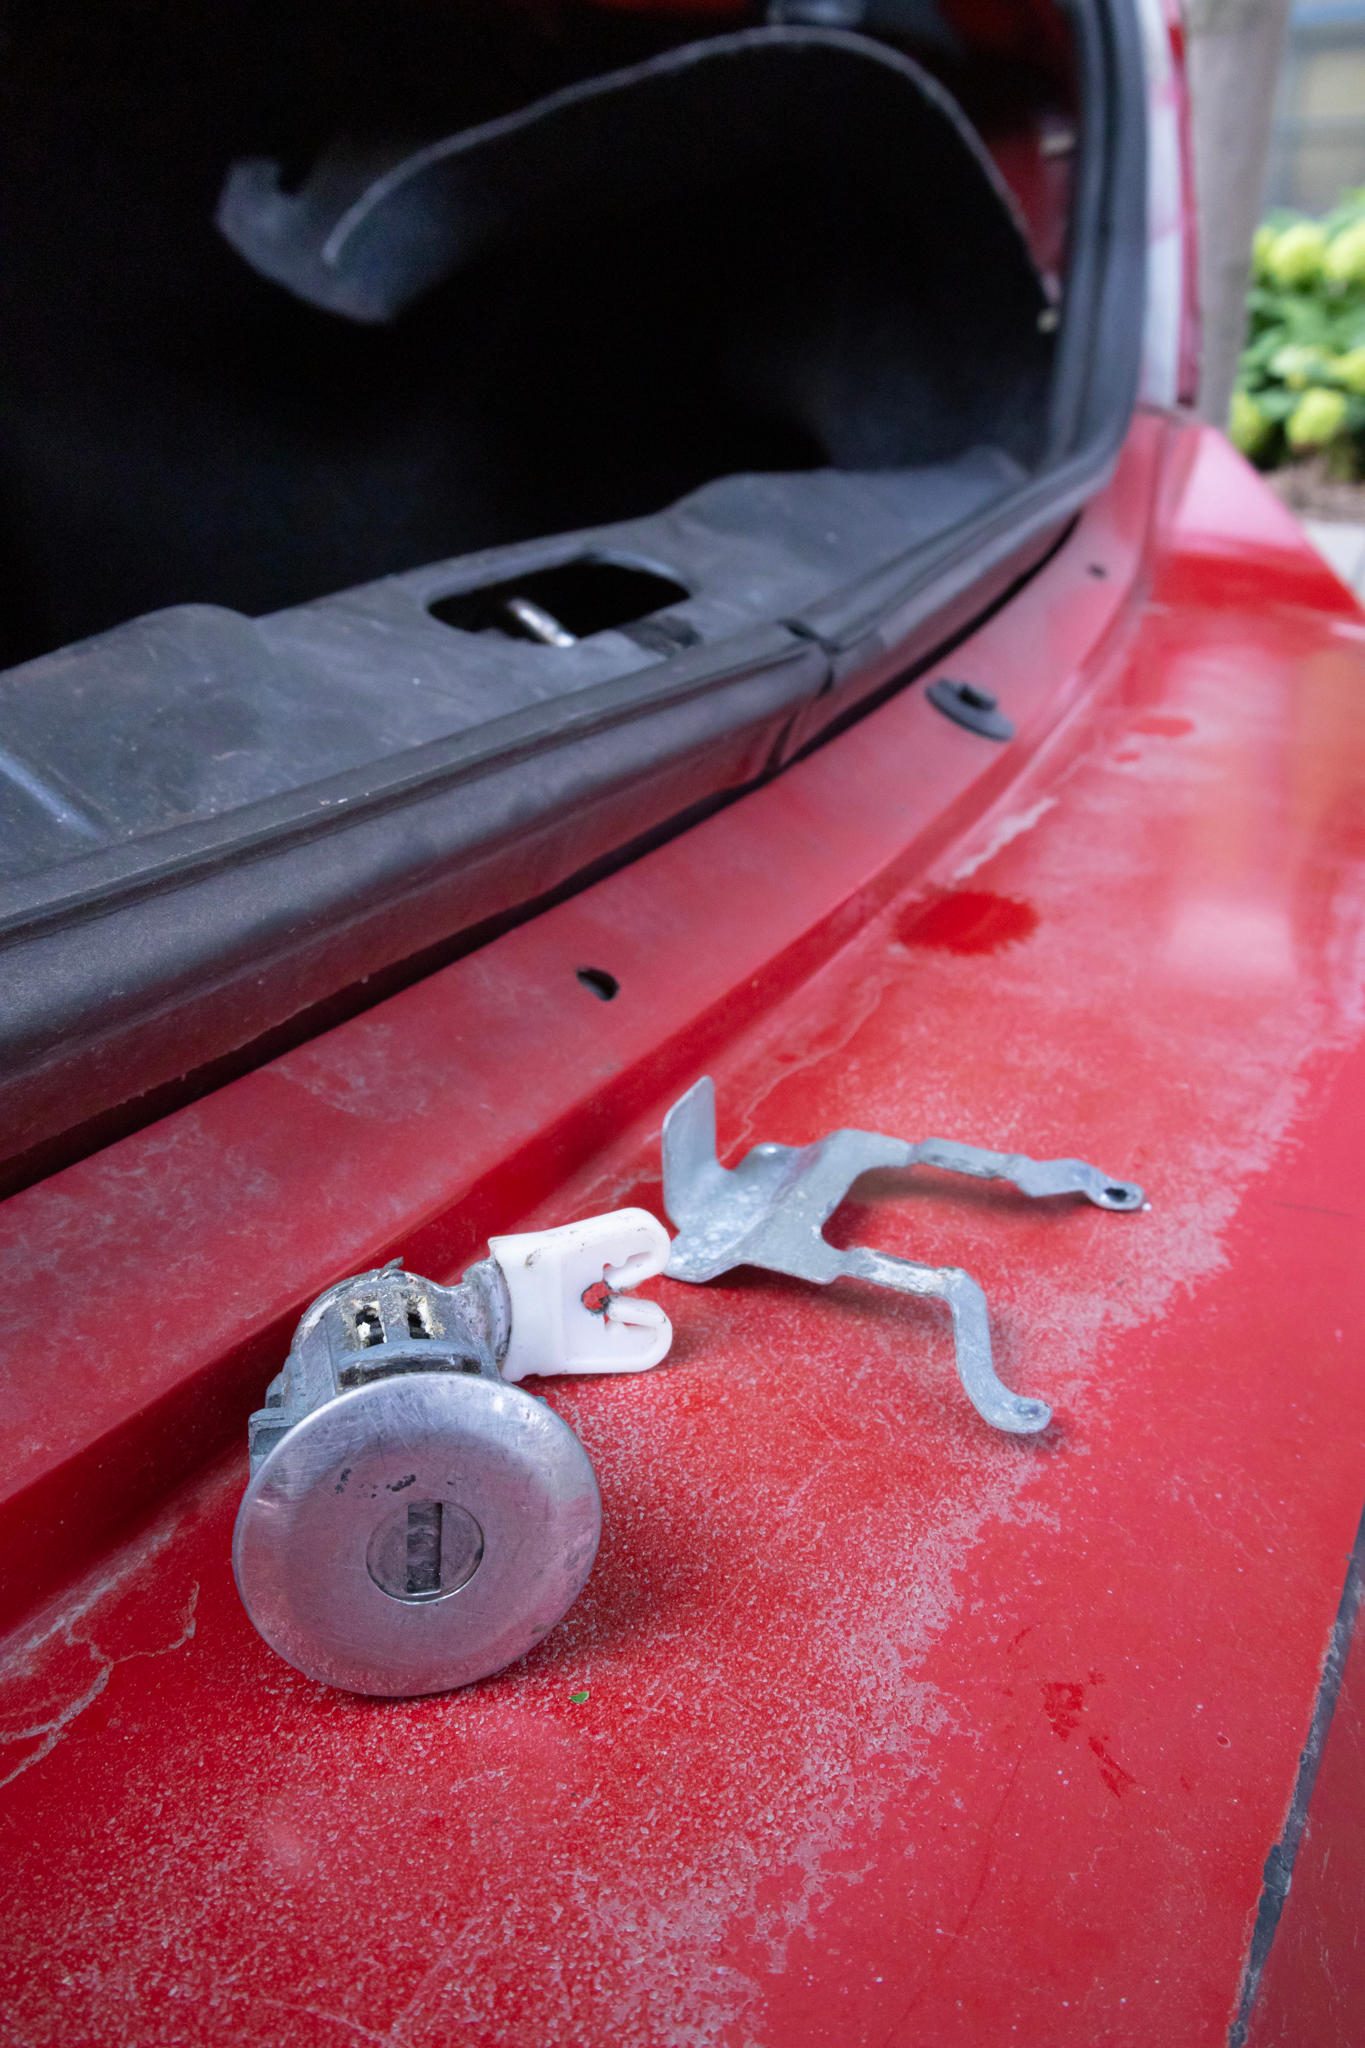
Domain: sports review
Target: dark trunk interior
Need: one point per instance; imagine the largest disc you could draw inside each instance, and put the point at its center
(177, 428)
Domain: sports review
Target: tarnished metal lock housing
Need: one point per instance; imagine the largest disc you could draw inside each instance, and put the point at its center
(413, 1521)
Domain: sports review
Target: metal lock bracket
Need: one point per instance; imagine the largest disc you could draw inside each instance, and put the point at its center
(771, 1209)
(414, 1520)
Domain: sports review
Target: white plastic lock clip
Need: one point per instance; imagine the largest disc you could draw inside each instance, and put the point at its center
(569, 1313)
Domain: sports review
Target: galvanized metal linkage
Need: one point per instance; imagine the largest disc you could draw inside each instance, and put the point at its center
(771, 1209)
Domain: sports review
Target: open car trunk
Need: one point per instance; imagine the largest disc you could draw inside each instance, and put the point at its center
(655, 393)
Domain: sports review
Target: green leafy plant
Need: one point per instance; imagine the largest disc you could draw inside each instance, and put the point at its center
(1301, 380)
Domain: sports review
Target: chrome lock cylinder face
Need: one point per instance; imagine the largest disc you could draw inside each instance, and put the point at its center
(414, 1519)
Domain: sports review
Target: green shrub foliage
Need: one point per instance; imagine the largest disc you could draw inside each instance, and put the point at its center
(1301, 381)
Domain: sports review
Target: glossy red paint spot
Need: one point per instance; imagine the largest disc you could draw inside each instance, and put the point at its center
(1163, 725)
(1115, 1777)
(1062, 1703)
(968, 921)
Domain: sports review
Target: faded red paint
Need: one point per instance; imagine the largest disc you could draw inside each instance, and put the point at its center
(814, 1794)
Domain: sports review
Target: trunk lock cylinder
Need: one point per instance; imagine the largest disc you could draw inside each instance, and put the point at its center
(414, 1520)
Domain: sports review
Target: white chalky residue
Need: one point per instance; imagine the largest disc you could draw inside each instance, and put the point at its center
(1008, 829)
(48, 1731)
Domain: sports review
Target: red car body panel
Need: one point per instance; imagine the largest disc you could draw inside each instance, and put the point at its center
(897, 1730)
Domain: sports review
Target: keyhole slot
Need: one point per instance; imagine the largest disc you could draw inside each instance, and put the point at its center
(424, 1550)
(424, 1547)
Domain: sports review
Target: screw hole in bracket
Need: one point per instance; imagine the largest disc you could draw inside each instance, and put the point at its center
(967, 704)
(601, 984)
